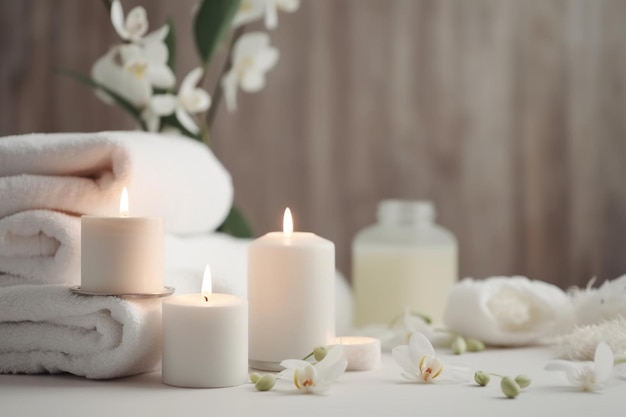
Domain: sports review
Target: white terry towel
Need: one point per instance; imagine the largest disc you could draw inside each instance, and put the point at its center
(39, 246)
(168, 176)
(47, 329)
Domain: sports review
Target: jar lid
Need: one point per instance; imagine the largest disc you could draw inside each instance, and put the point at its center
(406, 211)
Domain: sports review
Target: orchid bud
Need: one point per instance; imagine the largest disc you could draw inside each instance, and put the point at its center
(254, 377)
(320, 352)
(481, 378)
(474, 345)
(509, 387)
(266, 382)
(458, 345)
(523, 380)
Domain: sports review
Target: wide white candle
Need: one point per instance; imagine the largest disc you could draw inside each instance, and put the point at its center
(362, 353)
(122, 255)
(205, 340)
(291, 295)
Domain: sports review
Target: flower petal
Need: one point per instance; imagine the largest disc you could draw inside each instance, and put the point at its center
(151, 118)
(161, 76)
(266, 59)
(403, 358)
(187, 121)
(271, 15)
(156, 53)
(419, 345)
(130, 52)
(249, 44)
(229, 85)
(158, 35)
(294, 363)
(136, 23)
(252, 81)
(196, 101)
(249, 11)
(288, 6)
(603, 361)
(190, 80)
(333, 365)
(117, 19)
(163, 104)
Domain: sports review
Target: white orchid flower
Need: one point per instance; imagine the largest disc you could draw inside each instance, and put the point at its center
(108, 73)
(251, 10)
(316, 378)
(190, 100)
(252, 58)
(400, 331)
(587, 376)
(135, 26)
(419, 362)
(148, 63)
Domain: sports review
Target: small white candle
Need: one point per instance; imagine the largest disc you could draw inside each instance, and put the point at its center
(362, 353)
(205, 339)
(122, 255)
(291, 294)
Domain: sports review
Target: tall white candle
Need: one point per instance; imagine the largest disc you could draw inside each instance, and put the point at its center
(205, 340)
(291, 295)
(122, 255)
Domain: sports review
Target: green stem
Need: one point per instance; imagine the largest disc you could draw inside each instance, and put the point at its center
(619, 360)
(218, 92)
(308, 356)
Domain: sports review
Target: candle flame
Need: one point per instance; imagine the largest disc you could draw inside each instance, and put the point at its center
(207, 281)
(287, 222)
(124, 203)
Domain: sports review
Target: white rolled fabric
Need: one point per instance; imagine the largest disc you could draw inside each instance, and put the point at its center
(167, 176)
(508, 311)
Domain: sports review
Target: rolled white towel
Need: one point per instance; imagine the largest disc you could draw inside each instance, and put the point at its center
(39, 246)
(47, 329)
(168, 176)
(508, 311)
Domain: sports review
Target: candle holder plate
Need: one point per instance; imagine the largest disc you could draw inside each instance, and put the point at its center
(166, 291)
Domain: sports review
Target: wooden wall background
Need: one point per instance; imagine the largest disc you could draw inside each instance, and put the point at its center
(509, 115)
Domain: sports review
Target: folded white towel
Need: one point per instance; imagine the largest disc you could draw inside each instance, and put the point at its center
(45, 328)
(39, 246)
(167, 176)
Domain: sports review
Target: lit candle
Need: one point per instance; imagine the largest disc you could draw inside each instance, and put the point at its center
(122, 255)
(205, 339)
(362, 353)
(291, 294)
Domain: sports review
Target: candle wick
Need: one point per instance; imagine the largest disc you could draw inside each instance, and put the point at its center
(206, 298)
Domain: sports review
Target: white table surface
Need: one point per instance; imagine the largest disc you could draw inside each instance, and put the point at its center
(382, 392)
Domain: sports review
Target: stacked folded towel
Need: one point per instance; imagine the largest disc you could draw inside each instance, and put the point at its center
(46, 183)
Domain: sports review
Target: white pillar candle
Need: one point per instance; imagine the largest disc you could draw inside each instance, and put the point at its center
(205, 340)
(122, 255)
(362, 353)
(291, 295)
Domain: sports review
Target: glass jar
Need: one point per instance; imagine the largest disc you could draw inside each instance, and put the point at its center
(404, 261)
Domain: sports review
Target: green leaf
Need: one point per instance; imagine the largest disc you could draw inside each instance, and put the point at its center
(120, 101)
(236, 224)
(170, 42)
(107, 4)
(211, 24)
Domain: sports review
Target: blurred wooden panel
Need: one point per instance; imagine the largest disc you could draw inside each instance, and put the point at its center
(510, 115)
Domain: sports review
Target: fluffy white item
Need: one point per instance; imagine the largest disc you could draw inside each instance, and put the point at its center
(594, 305)
(581, 343)
(83, 173)
(47, 329)
(39, 246)
(508, 311)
